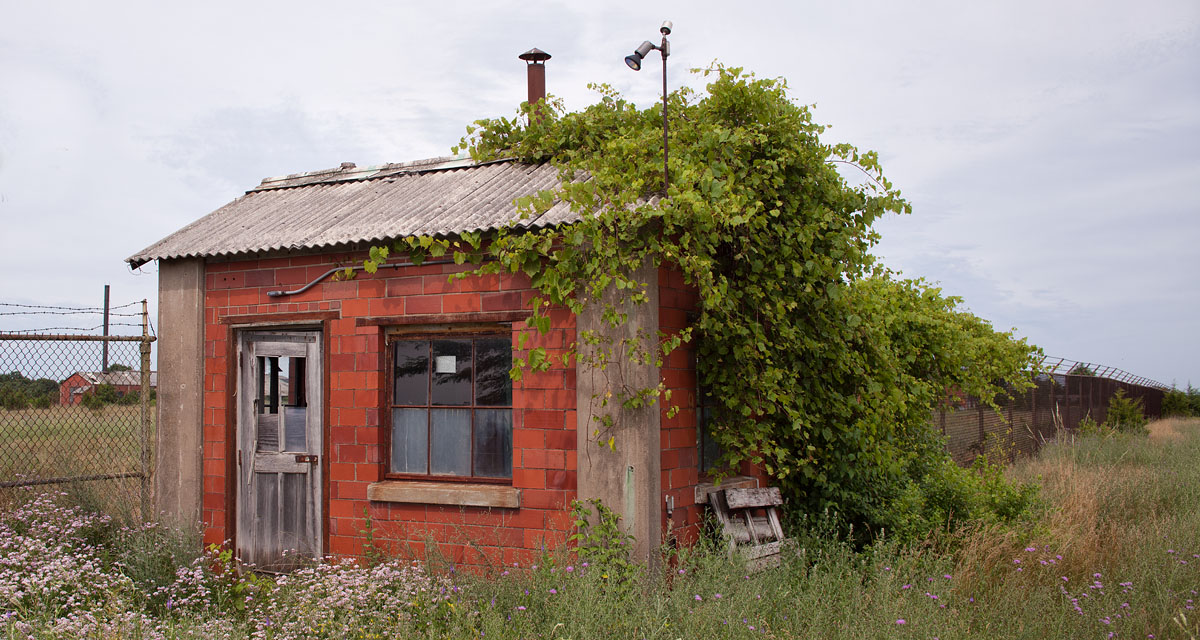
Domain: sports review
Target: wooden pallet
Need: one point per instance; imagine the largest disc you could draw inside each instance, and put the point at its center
(750, 522)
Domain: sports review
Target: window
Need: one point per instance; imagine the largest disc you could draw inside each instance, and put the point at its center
(451, 407)
(709, 450)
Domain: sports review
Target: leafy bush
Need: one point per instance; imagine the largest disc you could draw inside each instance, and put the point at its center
(1126, 415)
(1088, 427)
(602, 544)
(1181, 403)
(19, 392)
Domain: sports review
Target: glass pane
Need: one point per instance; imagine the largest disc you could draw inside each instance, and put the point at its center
(412, 372)
(492, 384)
(450, 446)
(451, 372)
(493, 443)
(295, 436)
(410, 440)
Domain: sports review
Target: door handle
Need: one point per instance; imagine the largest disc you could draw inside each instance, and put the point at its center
(306, 457)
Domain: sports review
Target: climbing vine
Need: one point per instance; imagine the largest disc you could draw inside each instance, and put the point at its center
(823, 365)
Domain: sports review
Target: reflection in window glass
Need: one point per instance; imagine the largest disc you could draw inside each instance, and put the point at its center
(411, 370)
(493, 443)
(452, 372)
(493, 387)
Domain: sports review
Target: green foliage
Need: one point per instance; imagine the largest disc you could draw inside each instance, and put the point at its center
(1081, 370)
(1088, 427)
(19, 392)
(602, 544)
(824, 366)
(1126, 415)
(1181, 403)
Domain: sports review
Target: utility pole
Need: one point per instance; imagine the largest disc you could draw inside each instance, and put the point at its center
(104, 356)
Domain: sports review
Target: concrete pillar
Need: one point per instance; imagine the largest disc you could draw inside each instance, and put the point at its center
(627, 479)
(178, 474)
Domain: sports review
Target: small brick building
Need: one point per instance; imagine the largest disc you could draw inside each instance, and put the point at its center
(295, 403)
(72, 390)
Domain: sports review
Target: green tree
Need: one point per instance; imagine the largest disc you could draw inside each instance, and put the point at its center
(824, 366)
(1126, 414)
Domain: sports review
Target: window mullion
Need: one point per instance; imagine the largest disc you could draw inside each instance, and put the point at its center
(429, 410)
(474, 369)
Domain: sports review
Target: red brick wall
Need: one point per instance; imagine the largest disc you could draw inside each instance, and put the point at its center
(544, 463)
(66, 396)
(680, 457)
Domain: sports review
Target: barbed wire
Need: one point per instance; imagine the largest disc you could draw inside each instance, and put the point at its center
(58, 310)
(95, 328)
(1055, 365)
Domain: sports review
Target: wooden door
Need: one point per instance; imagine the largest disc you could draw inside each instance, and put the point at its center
(279, 455)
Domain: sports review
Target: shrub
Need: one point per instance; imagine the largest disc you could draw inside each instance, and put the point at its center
(1126, 415)
(1178, 403)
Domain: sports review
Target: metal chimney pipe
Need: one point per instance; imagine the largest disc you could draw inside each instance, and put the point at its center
(536, 71)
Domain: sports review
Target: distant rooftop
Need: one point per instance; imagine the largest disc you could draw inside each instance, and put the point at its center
(348, 205)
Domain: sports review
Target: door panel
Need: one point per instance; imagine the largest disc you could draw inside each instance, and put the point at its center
(279, 436)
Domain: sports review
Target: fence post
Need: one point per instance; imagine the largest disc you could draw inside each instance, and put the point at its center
(145, 412)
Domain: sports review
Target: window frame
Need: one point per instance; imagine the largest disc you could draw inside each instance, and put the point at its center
(473, 332)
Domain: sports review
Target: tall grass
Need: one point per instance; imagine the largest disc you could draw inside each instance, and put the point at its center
(1114, 553)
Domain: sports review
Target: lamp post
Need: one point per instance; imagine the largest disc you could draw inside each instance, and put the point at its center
(634, 61)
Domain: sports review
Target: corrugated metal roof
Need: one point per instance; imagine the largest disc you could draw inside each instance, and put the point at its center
(118, 378)
(351, 205)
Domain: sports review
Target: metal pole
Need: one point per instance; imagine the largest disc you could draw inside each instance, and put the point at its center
(665, 50)
(104, 349)
(145, 475)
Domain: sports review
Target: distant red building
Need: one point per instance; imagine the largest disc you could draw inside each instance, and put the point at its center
(72, 390)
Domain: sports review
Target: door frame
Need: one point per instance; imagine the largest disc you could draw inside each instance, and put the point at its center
(319, 321)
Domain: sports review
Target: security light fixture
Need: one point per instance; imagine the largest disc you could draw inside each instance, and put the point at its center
(634, 61)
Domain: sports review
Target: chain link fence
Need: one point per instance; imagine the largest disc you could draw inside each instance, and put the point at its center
(76, 408)
(1027, 420)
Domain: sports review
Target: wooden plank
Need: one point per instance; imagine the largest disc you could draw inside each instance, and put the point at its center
(467, 495)
(776, 527)
(767, 562)
(704, 490)
(760, 550)
(754, 537)
(279, 463)
(747, 498)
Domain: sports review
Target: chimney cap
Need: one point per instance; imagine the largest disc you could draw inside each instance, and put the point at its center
(534, 56)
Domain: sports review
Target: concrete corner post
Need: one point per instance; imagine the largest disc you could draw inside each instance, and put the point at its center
(179, 442)
(627, 478)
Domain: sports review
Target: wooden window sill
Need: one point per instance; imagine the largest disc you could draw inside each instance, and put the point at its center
(447, 493)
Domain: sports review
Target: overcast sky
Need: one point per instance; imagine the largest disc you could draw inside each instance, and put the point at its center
(1051, 149)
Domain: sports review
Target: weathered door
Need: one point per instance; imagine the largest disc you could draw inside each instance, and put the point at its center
(279, 436)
